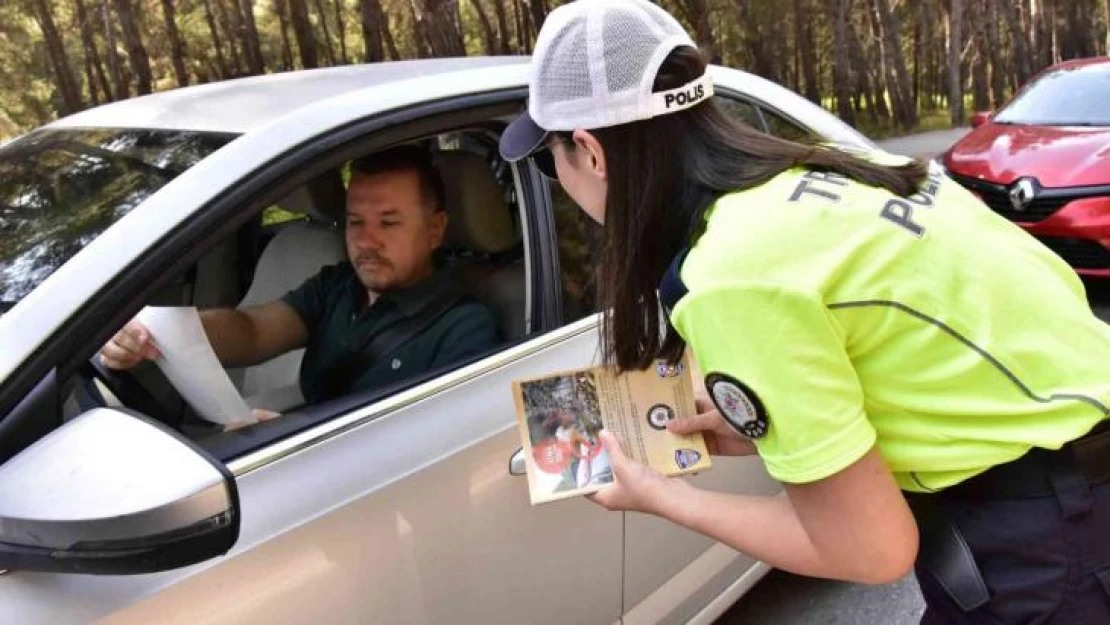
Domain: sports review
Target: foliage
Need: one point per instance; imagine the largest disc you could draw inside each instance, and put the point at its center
(887, 67)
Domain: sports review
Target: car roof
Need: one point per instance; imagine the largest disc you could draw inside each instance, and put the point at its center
(1080, 63)
(240, 105)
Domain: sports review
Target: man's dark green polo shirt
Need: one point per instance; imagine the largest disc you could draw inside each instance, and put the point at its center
(332, 305)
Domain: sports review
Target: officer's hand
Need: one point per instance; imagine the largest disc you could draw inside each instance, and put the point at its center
(720, 438)
(635, 488)
(130, 346)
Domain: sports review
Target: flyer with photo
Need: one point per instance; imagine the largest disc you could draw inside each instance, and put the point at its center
(560, 415)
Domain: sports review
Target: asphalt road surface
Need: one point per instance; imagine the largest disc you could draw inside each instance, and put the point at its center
(784, 599)
(923, 145)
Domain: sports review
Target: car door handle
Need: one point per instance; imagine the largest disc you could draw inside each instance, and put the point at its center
(517, 465)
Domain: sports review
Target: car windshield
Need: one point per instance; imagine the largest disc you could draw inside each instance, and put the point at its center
(1064, 97)
(60, 188)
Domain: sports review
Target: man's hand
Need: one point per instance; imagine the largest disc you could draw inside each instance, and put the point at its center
(258, 414)
(636, 487)
(720, 438)
(130, 346)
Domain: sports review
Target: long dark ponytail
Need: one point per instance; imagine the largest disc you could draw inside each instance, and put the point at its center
(664, 173)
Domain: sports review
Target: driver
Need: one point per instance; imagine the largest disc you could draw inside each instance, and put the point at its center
(395, 220)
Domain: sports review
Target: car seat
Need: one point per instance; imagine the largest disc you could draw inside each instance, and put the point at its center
(483, 235)
(296, 253)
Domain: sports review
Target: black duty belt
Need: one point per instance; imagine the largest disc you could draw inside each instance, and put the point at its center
(1031, 475)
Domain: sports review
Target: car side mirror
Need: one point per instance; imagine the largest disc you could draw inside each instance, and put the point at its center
(112, 492)
(980, 118)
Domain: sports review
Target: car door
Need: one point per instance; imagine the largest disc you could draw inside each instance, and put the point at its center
(405, 512)
(400, 511)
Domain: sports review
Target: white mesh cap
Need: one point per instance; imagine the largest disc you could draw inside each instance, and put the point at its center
(594, 65)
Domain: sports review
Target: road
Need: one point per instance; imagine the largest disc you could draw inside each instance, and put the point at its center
(923, 145)
(784, 599)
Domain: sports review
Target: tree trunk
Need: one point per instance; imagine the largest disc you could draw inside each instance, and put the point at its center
(980, 91)
(370, 11)
(90, 78)
(419, 33)
(489, 37)
(523, 36)
(998, 70)
(538, 12)
(884, 92)
(217, 45)
(870, 83)
(1069, 47)
(302, 29)
(898, 75)
(122, 89)
(763, 61)
(918, 19)
(940, 68)
(1035, 33)
(283, 28)
(1023, 64)
(329, 49)
(342, 28)
(504, 35)
(251, 43)
(1084, 30)
(697, 13)
(804, 43)
(387, 34)
(59, 60)
(838, 12)
(93, 64)
(1052, 33)
(177, 50)
(133, 39)
(435, 19)
(1106, 15)
(955, 43)
(228, 25)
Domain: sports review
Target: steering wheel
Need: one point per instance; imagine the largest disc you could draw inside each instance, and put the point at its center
(128, 390)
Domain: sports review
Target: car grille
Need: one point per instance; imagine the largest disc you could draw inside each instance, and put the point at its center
(997, 197)
(1037, 210)
(1079, 253)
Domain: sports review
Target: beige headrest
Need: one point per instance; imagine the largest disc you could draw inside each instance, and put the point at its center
(479, 217)
(323, 198)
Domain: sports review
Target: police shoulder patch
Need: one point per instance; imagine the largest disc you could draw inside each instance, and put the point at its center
(738, 404)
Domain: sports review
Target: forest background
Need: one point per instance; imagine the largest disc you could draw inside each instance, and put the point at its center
(884, 66)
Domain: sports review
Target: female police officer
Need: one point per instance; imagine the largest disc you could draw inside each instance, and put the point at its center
(869, 325)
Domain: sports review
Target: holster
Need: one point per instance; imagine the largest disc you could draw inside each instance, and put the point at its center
(945, 555)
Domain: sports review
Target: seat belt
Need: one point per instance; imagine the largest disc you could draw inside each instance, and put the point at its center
(344, 370)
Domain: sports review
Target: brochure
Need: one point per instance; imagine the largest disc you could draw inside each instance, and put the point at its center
(560, 415)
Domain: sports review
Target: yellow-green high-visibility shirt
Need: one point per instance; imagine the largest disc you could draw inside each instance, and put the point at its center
(841, 316)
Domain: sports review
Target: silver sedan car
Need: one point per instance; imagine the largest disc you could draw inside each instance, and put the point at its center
(400, 505)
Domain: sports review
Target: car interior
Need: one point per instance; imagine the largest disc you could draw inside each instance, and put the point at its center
(289, 242)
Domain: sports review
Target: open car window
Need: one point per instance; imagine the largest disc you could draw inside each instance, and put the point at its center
(299, 240)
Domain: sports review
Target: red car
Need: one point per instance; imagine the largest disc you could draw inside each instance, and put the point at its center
(1043, 161)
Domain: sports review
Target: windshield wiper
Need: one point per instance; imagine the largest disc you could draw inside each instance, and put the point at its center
(1063, 124)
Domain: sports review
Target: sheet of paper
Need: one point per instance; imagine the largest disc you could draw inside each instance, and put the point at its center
(191, 365)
